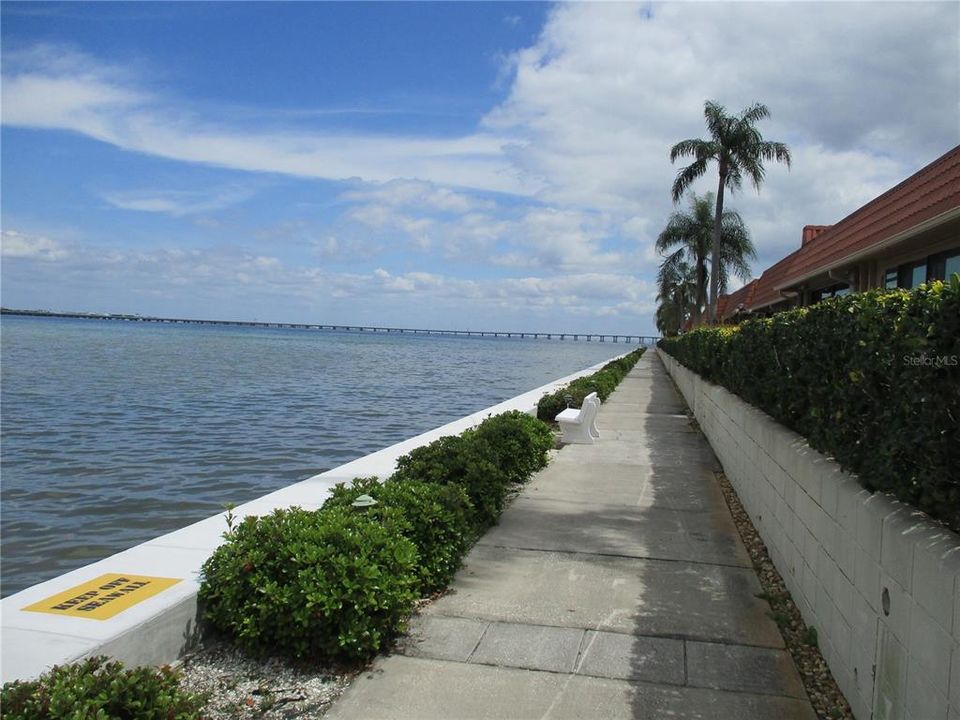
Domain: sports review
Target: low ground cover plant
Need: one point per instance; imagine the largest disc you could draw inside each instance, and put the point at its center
(97, 688)
(603, 383)
(872, 379)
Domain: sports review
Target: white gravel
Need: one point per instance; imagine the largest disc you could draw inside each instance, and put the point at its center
(268, 689)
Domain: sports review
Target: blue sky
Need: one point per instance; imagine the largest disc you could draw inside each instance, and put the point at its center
(499, 165)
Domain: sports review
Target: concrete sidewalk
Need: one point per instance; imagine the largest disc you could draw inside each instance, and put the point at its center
(615, 586)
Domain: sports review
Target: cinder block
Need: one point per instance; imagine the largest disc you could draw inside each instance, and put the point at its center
(829, 485)
(806, 610)
(936, 568)
(850, 495)
(804, 507)
(924, 700)
(843, 593)
(891, 678)
(867, 578)
(930, 645)
(842, 638)
(844, 677)
(827, 531)
(846, 552)
(810, 547)
(826, 568)
(900, 533)
(896, 610)
(824, 609)
(798, 464)
(859, 706)
(808, 582)
(864, 623)
(789, 490)
(864, 667)
(781, 511)
(954, 694)
(870, 517)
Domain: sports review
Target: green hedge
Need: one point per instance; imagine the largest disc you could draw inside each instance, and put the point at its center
(872, 379)
(603, 383)
(96, 688)
(486, 461)
(339, 582)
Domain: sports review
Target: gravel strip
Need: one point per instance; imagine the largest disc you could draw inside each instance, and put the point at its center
(268, 689)
(827, 699)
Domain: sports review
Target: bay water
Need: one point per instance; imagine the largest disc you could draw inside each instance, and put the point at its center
(116, 432)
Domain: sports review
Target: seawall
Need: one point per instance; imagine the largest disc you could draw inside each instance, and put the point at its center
(124, 606)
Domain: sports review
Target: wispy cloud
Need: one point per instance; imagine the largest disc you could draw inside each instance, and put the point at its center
(51, 88)
(177, 203)
(241, 283)
(14, 244)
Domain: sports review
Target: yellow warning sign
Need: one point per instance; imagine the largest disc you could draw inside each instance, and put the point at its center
(104, 596)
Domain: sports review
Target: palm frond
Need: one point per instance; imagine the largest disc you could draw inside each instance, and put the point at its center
(755, 113)
(687, 176)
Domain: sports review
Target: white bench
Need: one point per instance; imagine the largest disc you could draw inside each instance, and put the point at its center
(580, 426)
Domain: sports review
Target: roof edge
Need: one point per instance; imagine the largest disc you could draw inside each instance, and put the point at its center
(928, 224)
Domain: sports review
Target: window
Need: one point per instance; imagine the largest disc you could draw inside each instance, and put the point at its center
(952, 265)
(942, 266)
(829, 292)
(936, 267)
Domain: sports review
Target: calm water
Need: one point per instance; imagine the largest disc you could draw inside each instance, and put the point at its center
(114, 433)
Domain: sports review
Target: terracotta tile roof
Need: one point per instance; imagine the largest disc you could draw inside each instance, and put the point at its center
(766, 293)
(727, 304)
(722, 303)
(930, 192)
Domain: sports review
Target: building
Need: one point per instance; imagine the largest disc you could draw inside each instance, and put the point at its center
(905, 237)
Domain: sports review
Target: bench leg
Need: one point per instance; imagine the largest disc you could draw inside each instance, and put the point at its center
(575, 433)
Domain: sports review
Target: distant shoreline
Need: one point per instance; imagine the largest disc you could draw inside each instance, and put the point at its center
(598, 337)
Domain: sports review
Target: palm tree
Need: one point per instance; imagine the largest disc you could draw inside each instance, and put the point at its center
(688, 238)
(675, 296)
(738, 149)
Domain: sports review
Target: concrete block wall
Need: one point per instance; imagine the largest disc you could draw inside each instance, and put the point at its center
(878, 579)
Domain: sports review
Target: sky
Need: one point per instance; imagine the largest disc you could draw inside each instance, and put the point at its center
(472, 165)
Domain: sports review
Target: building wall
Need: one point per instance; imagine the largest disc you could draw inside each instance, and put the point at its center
(878, 580)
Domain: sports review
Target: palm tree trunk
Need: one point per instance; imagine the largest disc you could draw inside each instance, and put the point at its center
(715, 259)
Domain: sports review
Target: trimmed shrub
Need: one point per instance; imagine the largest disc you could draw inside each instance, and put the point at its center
(97, 688)
(517, 443)
(330, 585)
(436, 518)
(503, 450)
(460, 460)
(872, 379)
(603, 383)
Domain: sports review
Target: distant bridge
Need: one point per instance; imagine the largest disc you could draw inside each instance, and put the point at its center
(589, 337)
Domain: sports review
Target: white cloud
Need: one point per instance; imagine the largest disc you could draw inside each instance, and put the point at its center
(43, 89)
(177, 202)
(33, 247)
(867, 92)
(864, 94)
(417, 194)
(233, 283)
